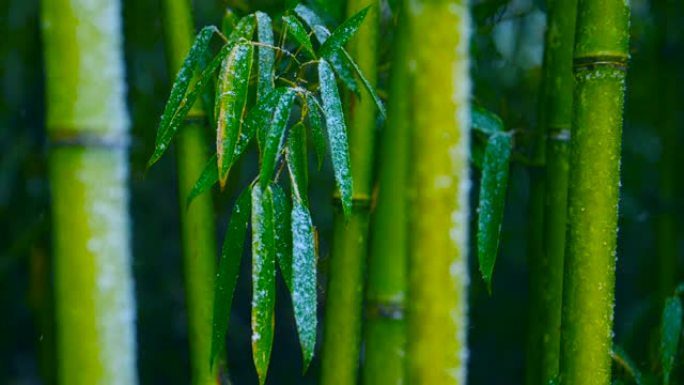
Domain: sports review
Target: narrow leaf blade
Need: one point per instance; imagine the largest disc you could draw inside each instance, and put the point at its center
(229, 267)
(316, 124)
(297, 162)
(283, 234)
(485, 121)
(492, 200)
(342, 34)
(244, 29)
(298, 32)
(366, 84)
(670, 332)
(623, 359)
(266, 54)
(337, 134)
(206, 180)
(275, 137)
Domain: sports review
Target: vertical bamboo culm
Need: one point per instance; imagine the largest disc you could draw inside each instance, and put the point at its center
(87, 130)
(197, 220)
(600, 60)
(343, 313)
(439, 182)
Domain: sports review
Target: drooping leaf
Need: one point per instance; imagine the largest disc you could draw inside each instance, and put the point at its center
(283, 233)
(304, 277)
(298, 32)
(263, 278)
(297, 162)
(231, 101)
(337, 134)
(179, 89)
(492, 199)
(275, 139)
(670, 332)
(229, 267)
(266, 54)
(244, 29)
(206, 180)
(341, 66)
(623, 359)
(316, 125)
(485, 121)
(259, 118)
(366, 84)
(342, 34)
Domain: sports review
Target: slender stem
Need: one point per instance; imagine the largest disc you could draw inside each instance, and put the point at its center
(556, 114)
(87, 126)
(439, 181)
(600, 57)
(342, 328)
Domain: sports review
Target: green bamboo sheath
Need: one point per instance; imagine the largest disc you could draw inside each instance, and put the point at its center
(600, 57)
(197, 220)
(557, 94)
(438, 192)
(342, 328)
(87, 127)
(385, 326)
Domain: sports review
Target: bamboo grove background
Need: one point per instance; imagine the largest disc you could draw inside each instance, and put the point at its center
(507, 48)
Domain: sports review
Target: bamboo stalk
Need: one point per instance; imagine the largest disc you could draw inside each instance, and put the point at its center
(87, 127)
(197, 220)
(385, 333)
(342, 327)
(438, 192)
(557, 93)
(600, 58)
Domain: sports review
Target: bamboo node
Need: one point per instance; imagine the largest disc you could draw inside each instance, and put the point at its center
(87, 139)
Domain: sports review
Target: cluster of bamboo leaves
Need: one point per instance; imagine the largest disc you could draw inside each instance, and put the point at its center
(264, 85)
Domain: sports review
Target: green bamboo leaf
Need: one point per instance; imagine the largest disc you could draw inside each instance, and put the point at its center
(231, 101)
(366, 84)
(492, 200)
(304, 276)
(341, 66)
(670, 331)
(228, 22)
(297, 162)
(342, 34)
(166, 130)
(259, 117)
(275, 139)
(337, 134)
(229, 267)
(283, 233)
(298, 32)
(263, 278)
(206, 180)
(244, 30)
(266, 54)
(485, 121)
(623, 359)
(316, 124)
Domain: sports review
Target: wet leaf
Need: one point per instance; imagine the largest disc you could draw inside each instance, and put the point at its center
(297, 162)
(231, 101)
(337, 134)
(621, 357)
(485, 121)
(342, 34)
(259, 117)
(266, 55)
(492, 199)
(263, 279)
(178, 98)
(366, 85)
(283, 234)
(229, 268)
(670, 332)
(244, 30)
(316, 124)
(304, 276)
(298, 32)
(206, 180)
(275, 139)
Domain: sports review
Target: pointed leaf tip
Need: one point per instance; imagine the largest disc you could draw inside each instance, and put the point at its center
(342, 34)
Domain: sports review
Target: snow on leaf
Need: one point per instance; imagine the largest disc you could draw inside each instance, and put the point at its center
(317, 134)
(298, 32)
(485, 121)
(342, 34)
(266, 55)
(297, 162)
(275, 138)
(283, 234)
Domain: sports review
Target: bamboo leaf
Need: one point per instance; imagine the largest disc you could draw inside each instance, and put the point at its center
(229, 268)
(206, 180)
(283, 234)
(297, 162)
(244, 30)
(266, 54)
(231, 102)
(316, 124)
(621, 357)
(263, 278)
(304, 276)
(167, 130)
(259, 117)
(298, 32)
(670, 331)
(485, 121)
(337, 134)
(275, 139)
(228, 22)
(342, 34)
(492, 200)
(366, 84)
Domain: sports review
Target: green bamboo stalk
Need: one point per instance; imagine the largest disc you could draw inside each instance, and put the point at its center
(438, 192)
(600, 59)
(557, 94)
(197, 219)
(87, 128)
(342, 327)
(385, 333)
